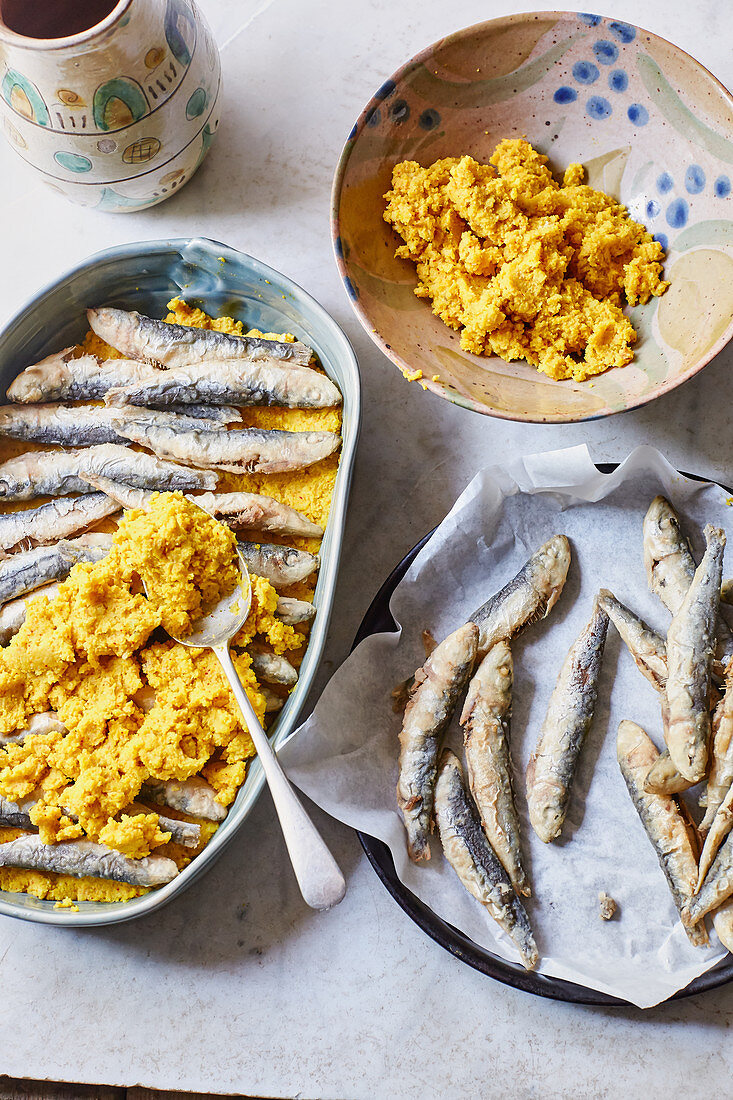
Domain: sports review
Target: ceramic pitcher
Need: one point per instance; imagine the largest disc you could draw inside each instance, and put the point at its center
(120, 116)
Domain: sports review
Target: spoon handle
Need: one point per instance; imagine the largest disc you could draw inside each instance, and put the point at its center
(319, 878)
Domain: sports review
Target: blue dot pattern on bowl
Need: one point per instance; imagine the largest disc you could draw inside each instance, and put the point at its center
(722, 187)
(598, 107)
(638, 114)
(585, 72)
(591, 20)
(429, 119)
(399, 111)
(677, 213)
(606, 52)
(694, 179)
(623, 31)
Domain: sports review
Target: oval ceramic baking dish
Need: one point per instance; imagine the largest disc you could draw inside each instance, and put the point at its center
(145, 276)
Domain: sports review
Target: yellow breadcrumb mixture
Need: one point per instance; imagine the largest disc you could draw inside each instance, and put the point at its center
(95, 652)
(525, 267)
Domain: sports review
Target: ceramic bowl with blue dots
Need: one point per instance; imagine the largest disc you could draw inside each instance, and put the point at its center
(652, 127)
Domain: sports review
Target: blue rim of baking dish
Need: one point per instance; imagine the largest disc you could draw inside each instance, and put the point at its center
(378, 619)
(299, 311)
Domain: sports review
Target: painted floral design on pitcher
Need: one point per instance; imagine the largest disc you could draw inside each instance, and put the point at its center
(120, 116)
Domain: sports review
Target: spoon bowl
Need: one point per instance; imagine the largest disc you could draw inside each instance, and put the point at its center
(223, 618)
(319, 877)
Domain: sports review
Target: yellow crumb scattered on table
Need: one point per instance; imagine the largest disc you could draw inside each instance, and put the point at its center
(525, 267)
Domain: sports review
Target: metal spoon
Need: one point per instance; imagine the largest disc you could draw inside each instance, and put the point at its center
(319, 878)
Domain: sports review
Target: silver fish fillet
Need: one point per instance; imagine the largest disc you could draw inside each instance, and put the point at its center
(230, 382)
(239, 511)
(40, 474)
(90, 425)
(259, 512)
(186, 833)
(721, 825)
(54, 521)
(16, 815)
(246, 450)
(527, 598)
(124, 495)
(143, 337)
(474, 861)
(82, 858)
(551, 768)
(670, 566)
(291, 612)
(47, 722)
(190, 796)
(664, 824)
(485, 721)
(668, 559)
(12, 615)
(663, 777)
(271, 667)
(61, 377)
(143, 471)
(432, 699)
(56, 473)
(24, 572)
(690, 645)
(273, 701)
(717, 886)
(720, 776)
(648, 649)
(216, 414)
(82, 426)
(280, 565)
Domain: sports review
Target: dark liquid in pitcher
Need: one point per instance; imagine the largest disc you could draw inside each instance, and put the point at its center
(53, 18)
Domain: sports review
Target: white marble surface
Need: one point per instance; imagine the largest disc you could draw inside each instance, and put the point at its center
(238, 987)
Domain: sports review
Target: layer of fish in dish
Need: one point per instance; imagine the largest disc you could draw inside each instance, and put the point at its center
(691, 670)
(247, 425)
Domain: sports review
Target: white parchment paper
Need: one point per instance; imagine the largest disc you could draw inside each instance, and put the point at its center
(345, 756)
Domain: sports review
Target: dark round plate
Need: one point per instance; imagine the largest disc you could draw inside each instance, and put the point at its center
(378, 619)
